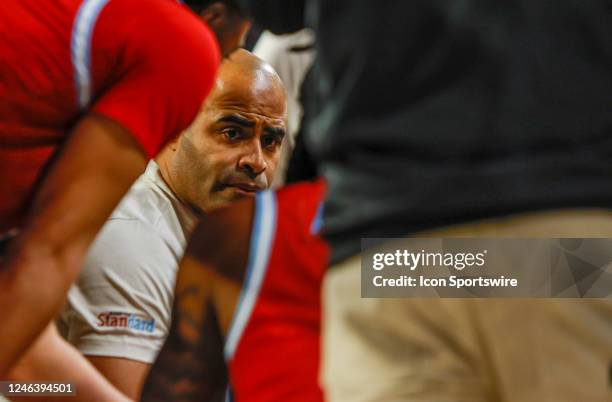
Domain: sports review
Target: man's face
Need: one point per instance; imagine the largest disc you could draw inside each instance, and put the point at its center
(232, 148)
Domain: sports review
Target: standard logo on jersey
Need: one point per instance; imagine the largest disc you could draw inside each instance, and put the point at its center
(115, 319)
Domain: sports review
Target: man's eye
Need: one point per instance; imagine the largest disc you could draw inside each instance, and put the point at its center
(270, 142)
(231, 134)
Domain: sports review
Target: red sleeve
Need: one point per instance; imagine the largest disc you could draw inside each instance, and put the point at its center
(153, 64)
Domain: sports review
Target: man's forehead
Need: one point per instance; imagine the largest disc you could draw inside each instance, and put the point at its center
(267, 102)
(237, 82)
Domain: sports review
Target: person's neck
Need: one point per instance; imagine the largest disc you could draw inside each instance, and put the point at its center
(163, 162)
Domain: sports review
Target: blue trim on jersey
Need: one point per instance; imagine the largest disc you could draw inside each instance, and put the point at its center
(229, 395)
(80, 48)
(262, 238)
(317, 222)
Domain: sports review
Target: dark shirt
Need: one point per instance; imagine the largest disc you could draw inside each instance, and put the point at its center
(432, 112)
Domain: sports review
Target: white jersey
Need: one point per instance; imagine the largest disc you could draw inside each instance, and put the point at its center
(121, 304)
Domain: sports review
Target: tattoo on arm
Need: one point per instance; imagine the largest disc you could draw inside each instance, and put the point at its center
(190, 366)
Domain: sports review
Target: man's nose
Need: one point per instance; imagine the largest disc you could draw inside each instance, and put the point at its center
(253, 162)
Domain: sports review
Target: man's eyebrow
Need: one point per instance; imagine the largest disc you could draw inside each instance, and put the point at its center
(241, 121)
(275, 131)
(236, 119)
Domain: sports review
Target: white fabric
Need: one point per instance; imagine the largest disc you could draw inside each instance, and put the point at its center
(129, 274)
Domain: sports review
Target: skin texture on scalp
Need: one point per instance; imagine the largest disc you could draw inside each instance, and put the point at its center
(233, 146)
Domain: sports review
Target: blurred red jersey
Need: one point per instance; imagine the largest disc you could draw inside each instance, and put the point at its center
(146, 64)
(272, 348)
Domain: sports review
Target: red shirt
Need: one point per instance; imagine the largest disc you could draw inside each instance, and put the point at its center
(272, 348)
(149, 65)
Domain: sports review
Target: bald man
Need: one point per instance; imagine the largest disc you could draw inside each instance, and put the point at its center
(118, 313)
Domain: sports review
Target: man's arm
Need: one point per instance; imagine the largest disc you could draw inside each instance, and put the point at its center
(129, 268)
(191, 365)
(52, 359)
(125, 374)
(94, 169)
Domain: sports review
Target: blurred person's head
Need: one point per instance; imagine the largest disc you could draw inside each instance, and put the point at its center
(233, 146)
(225, 19)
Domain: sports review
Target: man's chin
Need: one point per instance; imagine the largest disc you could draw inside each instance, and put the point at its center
(237, 193)
(228, 196)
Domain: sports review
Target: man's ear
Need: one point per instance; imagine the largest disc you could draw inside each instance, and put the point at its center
(215, 15)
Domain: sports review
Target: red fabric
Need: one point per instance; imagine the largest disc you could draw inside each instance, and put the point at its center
(166, 67)
(153, 62)
(277, 357)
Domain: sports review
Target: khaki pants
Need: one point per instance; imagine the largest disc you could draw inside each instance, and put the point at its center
(443, 350)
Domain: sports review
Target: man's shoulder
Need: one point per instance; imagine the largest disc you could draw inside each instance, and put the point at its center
(144, 202)
(136, 238)
(148, 211)
(165, 11)
(150, 21)
(151, 58)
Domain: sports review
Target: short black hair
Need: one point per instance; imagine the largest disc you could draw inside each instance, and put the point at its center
(198, 5)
